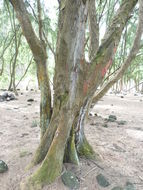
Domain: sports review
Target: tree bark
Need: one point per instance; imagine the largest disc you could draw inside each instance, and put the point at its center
(75, 83)
(38, 49)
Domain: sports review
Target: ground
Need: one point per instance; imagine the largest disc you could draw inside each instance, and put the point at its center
(119, 146)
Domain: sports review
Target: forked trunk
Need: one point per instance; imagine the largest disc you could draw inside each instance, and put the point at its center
(75, 83)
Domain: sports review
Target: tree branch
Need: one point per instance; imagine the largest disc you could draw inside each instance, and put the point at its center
(104, 57)
(32, 39)
(93, 29)
(135, 48)
(25, 71)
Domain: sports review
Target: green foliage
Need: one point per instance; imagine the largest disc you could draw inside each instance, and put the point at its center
(105, 11)
(7, 40)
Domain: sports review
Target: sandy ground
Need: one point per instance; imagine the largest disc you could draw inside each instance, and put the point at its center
(119, 146)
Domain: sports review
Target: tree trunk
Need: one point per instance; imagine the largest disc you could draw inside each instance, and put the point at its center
(75, 83)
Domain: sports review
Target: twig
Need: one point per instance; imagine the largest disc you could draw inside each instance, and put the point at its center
(97, 165)
(88, 172)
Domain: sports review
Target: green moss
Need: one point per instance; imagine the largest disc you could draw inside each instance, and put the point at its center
(45, 175)
(85, 149)
(70, 151)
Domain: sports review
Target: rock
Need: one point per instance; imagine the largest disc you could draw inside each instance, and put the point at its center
(8, 99)
(3, 166)
(121, 122)
(113, 117)
(102, 181)
(129, 186)
(122, 96)
(30, 100)
(117, 188)
(12, 97)
(5, 94)
(105, 125)
(69, 179)
(111, 120)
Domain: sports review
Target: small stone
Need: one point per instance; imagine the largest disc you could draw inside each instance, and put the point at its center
(122, 96)
(117, 188)
(113, 117)
(121, 122)
(69, 179)
(111, 120)
(8, 99)
(129, 186)
(102, 181)
(3, 166)
(30, 100)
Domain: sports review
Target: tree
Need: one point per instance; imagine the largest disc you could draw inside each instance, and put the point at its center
(75, 80)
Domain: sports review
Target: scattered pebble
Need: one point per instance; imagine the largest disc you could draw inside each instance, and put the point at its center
(30, 100)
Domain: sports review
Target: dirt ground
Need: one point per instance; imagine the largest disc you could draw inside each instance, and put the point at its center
(120, 146)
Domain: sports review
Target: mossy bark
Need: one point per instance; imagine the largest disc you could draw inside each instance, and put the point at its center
(84, 149)
(74, 85)
(45, 103)
(71, 155)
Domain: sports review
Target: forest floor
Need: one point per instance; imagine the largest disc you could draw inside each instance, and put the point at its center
(120, 146)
